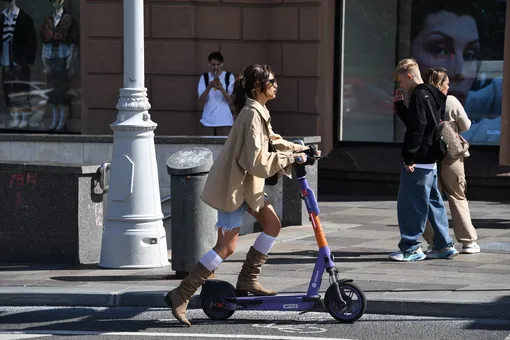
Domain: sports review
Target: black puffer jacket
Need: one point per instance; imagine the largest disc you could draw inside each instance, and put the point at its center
(421, 137)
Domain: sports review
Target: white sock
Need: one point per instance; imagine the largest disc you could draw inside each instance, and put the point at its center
(264, 243)
(211, 260)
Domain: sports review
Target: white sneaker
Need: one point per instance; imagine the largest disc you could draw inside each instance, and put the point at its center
(416, 255)
(15, 123)
(446, 253)
(61, 126)
(430, 249)
(23, 124)
(470, 248)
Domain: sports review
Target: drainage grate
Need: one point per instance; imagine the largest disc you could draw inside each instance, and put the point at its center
(496, 247)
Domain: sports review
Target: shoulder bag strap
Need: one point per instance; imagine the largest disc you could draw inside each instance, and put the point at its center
(431, 110)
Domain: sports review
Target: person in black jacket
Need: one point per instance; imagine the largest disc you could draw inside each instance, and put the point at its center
(418, 197)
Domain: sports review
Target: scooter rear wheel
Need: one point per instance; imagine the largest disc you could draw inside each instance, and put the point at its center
(209, 301)
(353, 296)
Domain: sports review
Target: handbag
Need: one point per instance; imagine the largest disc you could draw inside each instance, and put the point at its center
(456, 144)
(441, 146)
(273, 180)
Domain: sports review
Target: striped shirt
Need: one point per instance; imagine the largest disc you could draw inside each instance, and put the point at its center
(58, 51)
(10, 18)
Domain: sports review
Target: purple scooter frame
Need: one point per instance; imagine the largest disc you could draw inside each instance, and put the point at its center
(219, 300)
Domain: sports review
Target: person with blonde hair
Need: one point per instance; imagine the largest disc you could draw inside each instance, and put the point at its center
(452, 179)
(418, 198)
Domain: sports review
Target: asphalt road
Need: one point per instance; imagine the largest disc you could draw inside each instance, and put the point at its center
(137, 323)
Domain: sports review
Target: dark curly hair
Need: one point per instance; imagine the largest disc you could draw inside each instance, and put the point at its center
(421, 9)
(252, 77)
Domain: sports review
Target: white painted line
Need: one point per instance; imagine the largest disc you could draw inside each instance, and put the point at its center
(139, 334)
(10, 336)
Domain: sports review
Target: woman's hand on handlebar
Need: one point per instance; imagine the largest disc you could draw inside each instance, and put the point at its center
(300, 158)
(316, 153)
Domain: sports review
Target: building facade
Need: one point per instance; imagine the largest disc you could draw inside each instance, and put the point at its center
(333, 61)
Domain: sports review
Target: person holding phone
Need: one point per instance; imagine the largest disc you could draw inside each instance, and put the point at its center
(214, 91)
(418, 195)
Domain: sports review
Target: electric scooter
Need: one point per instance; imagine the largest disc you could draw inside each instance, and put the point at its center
(344, 300)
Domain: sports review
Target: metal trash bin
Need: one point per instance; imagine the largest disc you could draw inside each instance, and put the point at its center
(193, 230)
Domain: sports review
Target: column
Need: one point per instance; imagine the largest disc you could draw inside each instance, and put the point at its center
(133, 234)
(504, 149)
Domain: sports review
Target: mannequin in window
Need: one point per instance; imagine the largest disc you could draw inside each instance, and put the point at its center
(17, 55)
(60, 38)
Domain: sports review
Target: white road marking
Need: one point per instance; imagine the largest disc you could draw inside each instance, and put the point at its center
(301, 329)
(15, 335)
(11, 336)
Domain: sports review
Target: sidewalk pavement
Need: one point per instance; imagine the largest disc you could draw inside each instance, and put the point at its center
(360, 234)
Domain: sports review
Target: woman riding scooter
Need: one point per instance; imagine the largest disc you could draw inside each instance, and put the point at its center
(235, 185)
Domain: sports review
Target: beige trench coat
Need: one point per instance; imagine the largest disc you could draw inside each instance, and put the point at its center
(239, 172)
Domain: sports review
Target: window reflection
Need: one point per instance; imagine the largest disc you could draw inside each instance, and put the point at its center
(39, 55)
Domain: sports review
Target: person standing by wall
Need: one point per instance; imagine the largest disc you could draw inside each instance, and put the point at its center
(214, 92)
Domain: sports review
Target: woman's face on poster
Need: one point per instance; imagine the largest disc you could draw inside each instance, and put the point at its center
(450, 41)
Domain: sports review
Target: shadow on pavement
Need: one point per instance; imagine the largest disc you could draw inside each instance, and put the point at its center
(21, 267)
(45, 315)
(399, 290)
(119, 278)
(491, 223)
(334, 198)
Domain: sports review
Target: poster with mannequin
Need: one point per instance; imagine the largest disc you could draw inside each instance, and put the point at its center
(60, 41)
(17, 55)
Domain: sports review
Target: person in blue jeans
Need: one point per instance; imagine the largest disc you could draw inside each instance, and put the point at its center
(419, 198)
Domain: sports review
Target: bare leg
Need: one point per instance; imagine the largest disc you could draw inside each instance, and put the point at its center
(268, 219)
(257, 255)
(227, 241)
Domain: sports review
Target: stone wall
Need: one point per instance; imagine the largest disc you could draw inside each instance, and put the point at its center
(295, 37)
(93, 150)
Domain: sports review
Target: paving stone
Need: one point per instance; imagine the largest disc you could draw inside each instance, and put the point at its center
(361, 234)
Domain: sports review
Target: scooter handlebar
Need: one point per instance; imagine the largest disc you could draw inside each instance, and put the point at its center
(311, 157)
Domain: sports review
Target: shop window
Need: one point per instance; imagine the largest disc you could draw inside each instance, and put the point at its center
(465, 37)
(40, 66)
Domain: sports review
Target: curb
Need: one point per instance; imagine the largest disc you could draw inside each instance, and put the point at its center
(445, 309)
(154, 299)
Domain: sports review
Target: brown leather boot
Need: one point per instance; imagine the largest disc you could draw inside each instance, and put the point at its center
(178, 298)
(247, 280)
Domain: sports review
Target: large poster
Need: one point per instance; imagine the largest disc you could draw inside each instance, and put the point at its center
(467, 39)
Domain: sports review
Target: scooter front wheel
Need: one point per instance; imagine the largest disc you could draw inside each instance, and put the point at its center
(354, 297)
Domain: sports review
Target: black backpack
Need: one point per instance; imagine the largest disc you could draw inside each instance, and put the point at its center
(227, 79)
(440, 145)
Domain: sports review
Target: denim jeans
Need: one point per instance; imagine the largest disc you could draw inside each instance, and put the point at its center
(419, 199)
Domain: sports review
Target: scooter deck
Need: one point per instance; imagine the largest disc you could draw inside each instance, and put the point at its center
(280, 302)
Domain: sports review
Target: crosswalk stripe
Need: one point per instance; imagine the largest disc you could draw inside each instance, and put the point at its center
(41, 333)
